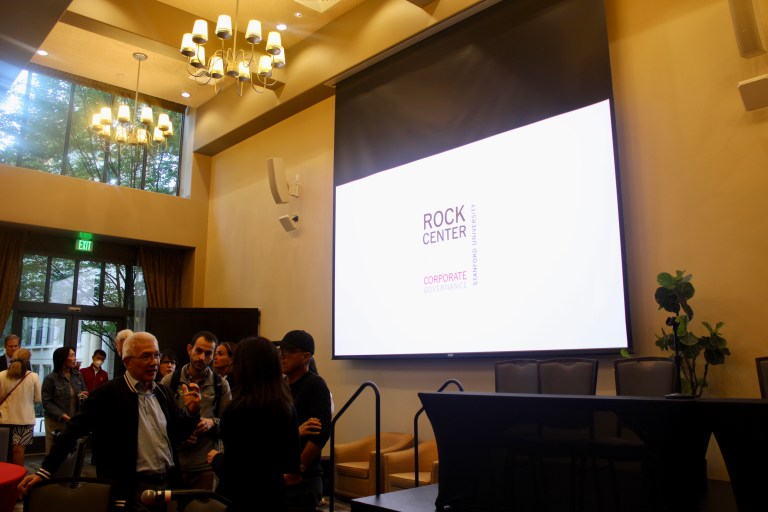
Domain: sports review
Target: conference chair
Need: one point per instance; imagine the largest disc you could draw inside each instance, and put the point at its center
(355, 463)
(517, 376)
(644, 376)
(72, 467)
(92, 494)
(568, 376)
(398, 467)
(558, 450)
(624, 451)
(213, 504)
(5, 444)
(762, 375)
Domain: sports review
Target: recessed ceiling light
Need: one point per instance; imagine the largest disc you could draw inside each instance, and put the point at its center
(282, 26)
(185, 94)
(298, 14)
(42, 53)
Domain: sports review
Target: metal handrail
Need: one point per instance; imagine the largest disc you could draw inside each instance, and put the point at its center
(378, 439)
(416, 429)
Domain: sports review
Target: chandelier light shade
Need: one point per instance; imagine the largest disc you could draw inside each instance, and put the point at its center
(246, 66)
(197, 60)
(126, 131)
(200, 32)
(224, 27)
(124, 114)
(265, 66)
(188, 46)
(163, 122)
(253, 33)
(106, 115)
(274, 43)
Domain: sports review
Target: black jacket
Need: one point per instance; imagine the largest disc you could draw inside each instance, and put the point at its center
(110, 416)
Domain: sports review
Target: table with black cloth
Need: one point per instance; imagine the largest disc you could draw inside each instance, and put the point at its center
(472, 431)
(10, 476)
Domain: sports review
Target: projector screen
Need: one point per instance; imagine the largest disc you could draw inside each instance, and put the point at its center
(493, 234)
(511, 243)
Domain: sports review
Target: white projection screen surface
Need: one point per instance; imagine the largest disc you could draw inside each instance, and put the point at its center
(507, 241)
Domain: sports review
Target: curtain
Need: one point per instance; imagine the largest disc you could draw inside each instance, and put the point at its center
(11, 258)
(162, 270)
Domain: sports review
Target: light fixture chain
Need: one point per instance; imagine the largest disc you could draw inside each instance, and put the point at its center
(136, 99)
(234, 36)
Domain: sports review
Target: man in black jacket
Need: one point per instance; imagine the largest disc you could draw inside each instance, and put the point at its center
(134, 425)
(12, 343)
(313, 408)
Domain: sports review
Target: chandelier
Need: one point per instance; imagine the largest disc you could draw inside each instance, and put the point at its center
(121, 129)
(245, 66)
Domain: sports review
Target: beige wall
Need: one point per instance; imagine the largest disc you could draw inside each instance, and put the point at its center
(694, 176)
(35, 198)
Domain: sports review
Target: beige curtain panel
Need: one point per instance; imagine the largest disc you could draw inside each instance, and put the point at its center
(162, 276)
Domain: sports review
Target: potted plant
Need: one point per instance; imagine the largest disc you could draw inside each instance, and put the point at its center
(673, 295)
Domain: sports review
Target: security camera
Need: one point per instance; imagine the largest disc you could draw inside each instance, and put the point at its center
(289, 222)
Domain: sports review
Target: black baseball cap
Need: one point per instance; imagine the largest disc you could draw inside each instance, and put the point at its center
(301, 340)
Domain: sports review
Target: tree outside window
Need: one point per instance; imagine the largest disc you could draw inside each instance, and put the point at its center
(44, 125)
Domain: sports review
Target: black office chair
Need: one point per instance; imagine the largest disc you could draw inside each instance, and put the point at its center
(517, 376)
(72, 467)
(92, 494)
(633, 376)
(762, 375)
(212, 504)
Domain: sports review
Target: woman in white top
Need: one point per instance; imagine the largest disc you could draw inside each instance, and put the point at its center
(19, 391)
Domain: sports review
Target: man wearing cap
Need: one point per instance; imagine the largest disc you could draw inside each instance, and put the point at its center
(313, 406)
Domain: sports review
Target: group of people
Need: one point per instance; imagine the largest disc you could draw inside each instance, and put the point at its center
(247, 420)
(19, 391)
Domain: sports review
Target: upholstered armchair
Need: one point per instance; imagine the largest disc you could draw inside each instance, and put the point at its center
(399, 466)
(355, 463)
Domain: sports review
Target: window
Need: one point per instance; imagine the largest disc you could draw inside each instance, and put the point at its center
(75, 281)
(44, 125)
(77, 300)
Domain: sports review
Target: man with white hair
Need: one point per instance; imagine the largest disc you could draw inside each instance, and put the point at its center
(134, 424)
(120, 338)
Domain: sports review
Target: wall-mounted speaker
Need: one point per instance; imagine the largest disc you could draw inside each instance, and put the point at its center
(754, 92)
(289, 222)
(747, 30)
(278, 183)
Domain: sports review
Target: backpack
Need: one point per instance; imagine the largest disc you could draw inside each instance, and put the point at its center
(176, 379)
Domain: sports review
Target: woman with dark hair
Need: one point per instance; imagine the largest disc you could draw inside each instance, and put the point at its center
(223, 359)
(19, 392)
(260, 433)
(168, 361)
(63, 392)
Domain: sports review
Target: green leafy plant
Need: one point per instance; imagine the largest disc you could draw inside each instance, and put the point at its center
(673, 295)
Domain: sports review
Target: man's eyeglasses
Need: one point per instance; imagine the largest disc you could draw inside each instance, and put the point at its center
(145, 358)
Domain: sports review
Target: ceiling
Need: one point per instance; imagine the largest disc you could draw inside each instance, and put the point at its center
(95, 39)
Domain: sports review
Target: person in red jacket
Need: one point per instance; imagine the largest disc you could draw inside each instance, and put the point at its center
(94, 376)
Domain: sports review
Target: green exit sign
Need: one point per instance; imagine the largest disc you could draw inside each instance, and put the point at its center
(84, 245)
